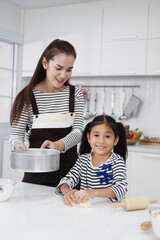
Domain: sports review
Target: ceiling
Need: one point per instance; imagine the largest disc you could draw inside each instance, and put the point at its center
(30, 4)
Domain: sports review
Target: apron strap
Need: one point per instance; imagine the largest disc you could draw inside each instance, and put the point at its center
(71, 98)
(34, 105)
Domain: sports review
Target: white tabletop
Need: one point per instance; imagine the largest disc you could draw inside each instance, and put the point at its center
(35, 212)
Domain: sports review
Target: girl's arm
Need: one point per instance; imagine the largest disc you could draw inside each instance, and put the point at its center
(84, 195)
(69, 197)
(71, 179)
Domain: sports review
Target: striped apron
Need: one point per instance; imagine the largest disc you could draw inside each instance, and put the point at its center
(52, 126)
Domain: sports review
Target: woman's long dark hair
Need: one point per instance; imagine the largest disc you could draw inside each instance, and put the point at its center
(23, 98)
(118, 129)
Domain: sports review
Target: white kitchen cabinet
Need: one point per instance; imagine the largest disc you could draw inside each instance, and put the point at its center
(154, 19)
(153, 57)
(125, 20)
(124, 38)
(143, 174)
(78, 24)
(124, 57)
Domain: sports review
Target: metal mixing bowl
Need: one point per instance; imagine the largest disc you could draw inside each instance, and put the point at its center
(35, 160)
(6, 189)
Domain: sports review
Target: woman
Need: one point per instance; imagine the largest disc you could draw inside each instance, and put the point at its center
(51, 110)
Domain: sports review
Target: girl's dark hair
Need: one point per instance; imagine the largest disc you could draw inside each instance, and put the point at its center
(23, 99)
(118, 129)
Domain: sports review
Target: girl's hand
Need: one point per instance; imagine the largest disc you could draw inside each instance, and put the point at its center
(58, 145)
(20, 146)
(84, 195)
(69, 197)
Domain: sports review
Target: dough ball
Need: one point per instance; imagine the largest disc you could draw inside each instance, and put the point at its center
(86, 204)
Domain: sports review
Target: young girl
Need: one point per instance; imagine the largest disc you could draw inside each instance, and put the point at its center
(100, 167)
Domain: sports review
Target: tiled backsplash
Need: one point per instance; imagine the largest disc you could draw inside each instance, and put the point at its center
(148, 116)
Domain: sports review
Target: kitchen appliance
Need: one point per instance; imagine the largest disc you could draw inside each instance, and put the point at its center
(35, 160)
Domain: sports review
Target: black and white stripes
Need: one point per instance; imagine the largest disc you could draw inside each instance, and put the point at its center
(52, 103)
(84, 171)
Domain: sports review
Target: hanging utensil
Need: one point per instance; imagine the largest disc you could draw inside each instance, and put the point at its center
(104, 100)
(113, 104)
(123, 117)
(95, 103)
(87, 114)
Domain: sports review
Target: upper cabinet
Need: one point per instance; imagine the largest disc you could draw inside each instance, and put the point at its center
(124, 38)
(154, 19)
(76, 24)
(153, 48)
(124, 58)
(124, 20)
(110, 37)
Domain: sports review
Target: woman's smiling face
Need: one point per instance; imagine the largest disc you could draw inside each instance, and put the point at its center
(102, 139)
(58, 70)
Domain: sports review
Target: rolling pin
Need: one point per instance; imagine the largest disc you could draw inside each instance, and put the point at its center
(134, 203)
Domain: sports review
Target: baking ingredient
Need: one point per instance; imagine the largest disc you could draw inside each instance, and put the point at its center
(6, 189)
(133, 134)
(146, 225)
(134, 203)
(155, 218)
(86, 204)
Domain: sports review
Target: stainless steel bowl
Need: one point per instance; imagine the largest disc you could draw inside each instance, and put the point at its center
(35, 160)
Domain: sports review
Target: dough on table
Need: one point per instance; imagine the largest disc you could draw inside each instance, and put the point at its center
(86, 204)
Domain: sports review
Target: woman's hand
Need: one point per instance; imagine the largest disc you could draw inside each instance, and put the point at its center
(20, 146)
(84, 195)
(58, 145)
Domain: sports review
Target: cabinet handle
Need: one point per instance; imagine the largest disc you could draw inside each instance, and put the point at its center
(151, 156)
(125, 37)
(130, 72)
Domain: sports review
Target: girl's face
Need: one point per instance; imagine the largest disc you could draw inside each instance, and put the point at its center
(102, 140)
(58, 71)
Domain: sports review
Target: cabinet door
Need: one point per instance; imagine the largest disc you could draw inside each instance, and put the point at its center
(153, 57)
(79, 25)
(31, 55)
(143, 175)
(154, 19)
(124, 58)
(125, 20)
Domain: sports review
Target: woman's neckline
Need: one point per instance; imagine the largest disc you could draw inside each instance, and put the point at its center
(38, 91)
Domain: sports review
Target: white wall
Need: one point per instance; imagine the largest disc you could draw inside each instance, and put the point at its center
(148, 116)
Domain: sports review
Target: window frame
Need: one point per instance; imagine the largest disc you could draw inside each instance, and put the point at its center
(14, 77)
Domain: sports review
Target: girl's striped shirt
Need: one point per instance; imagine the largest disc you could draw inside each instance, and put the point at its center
(111, 174)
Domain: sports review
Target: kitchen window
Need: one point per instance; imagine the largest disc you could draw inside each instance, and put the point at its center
(8, 76)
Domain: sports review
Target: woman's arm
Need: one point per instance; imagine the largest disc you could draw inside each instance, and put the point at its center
(18, 132)
(74, 137)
